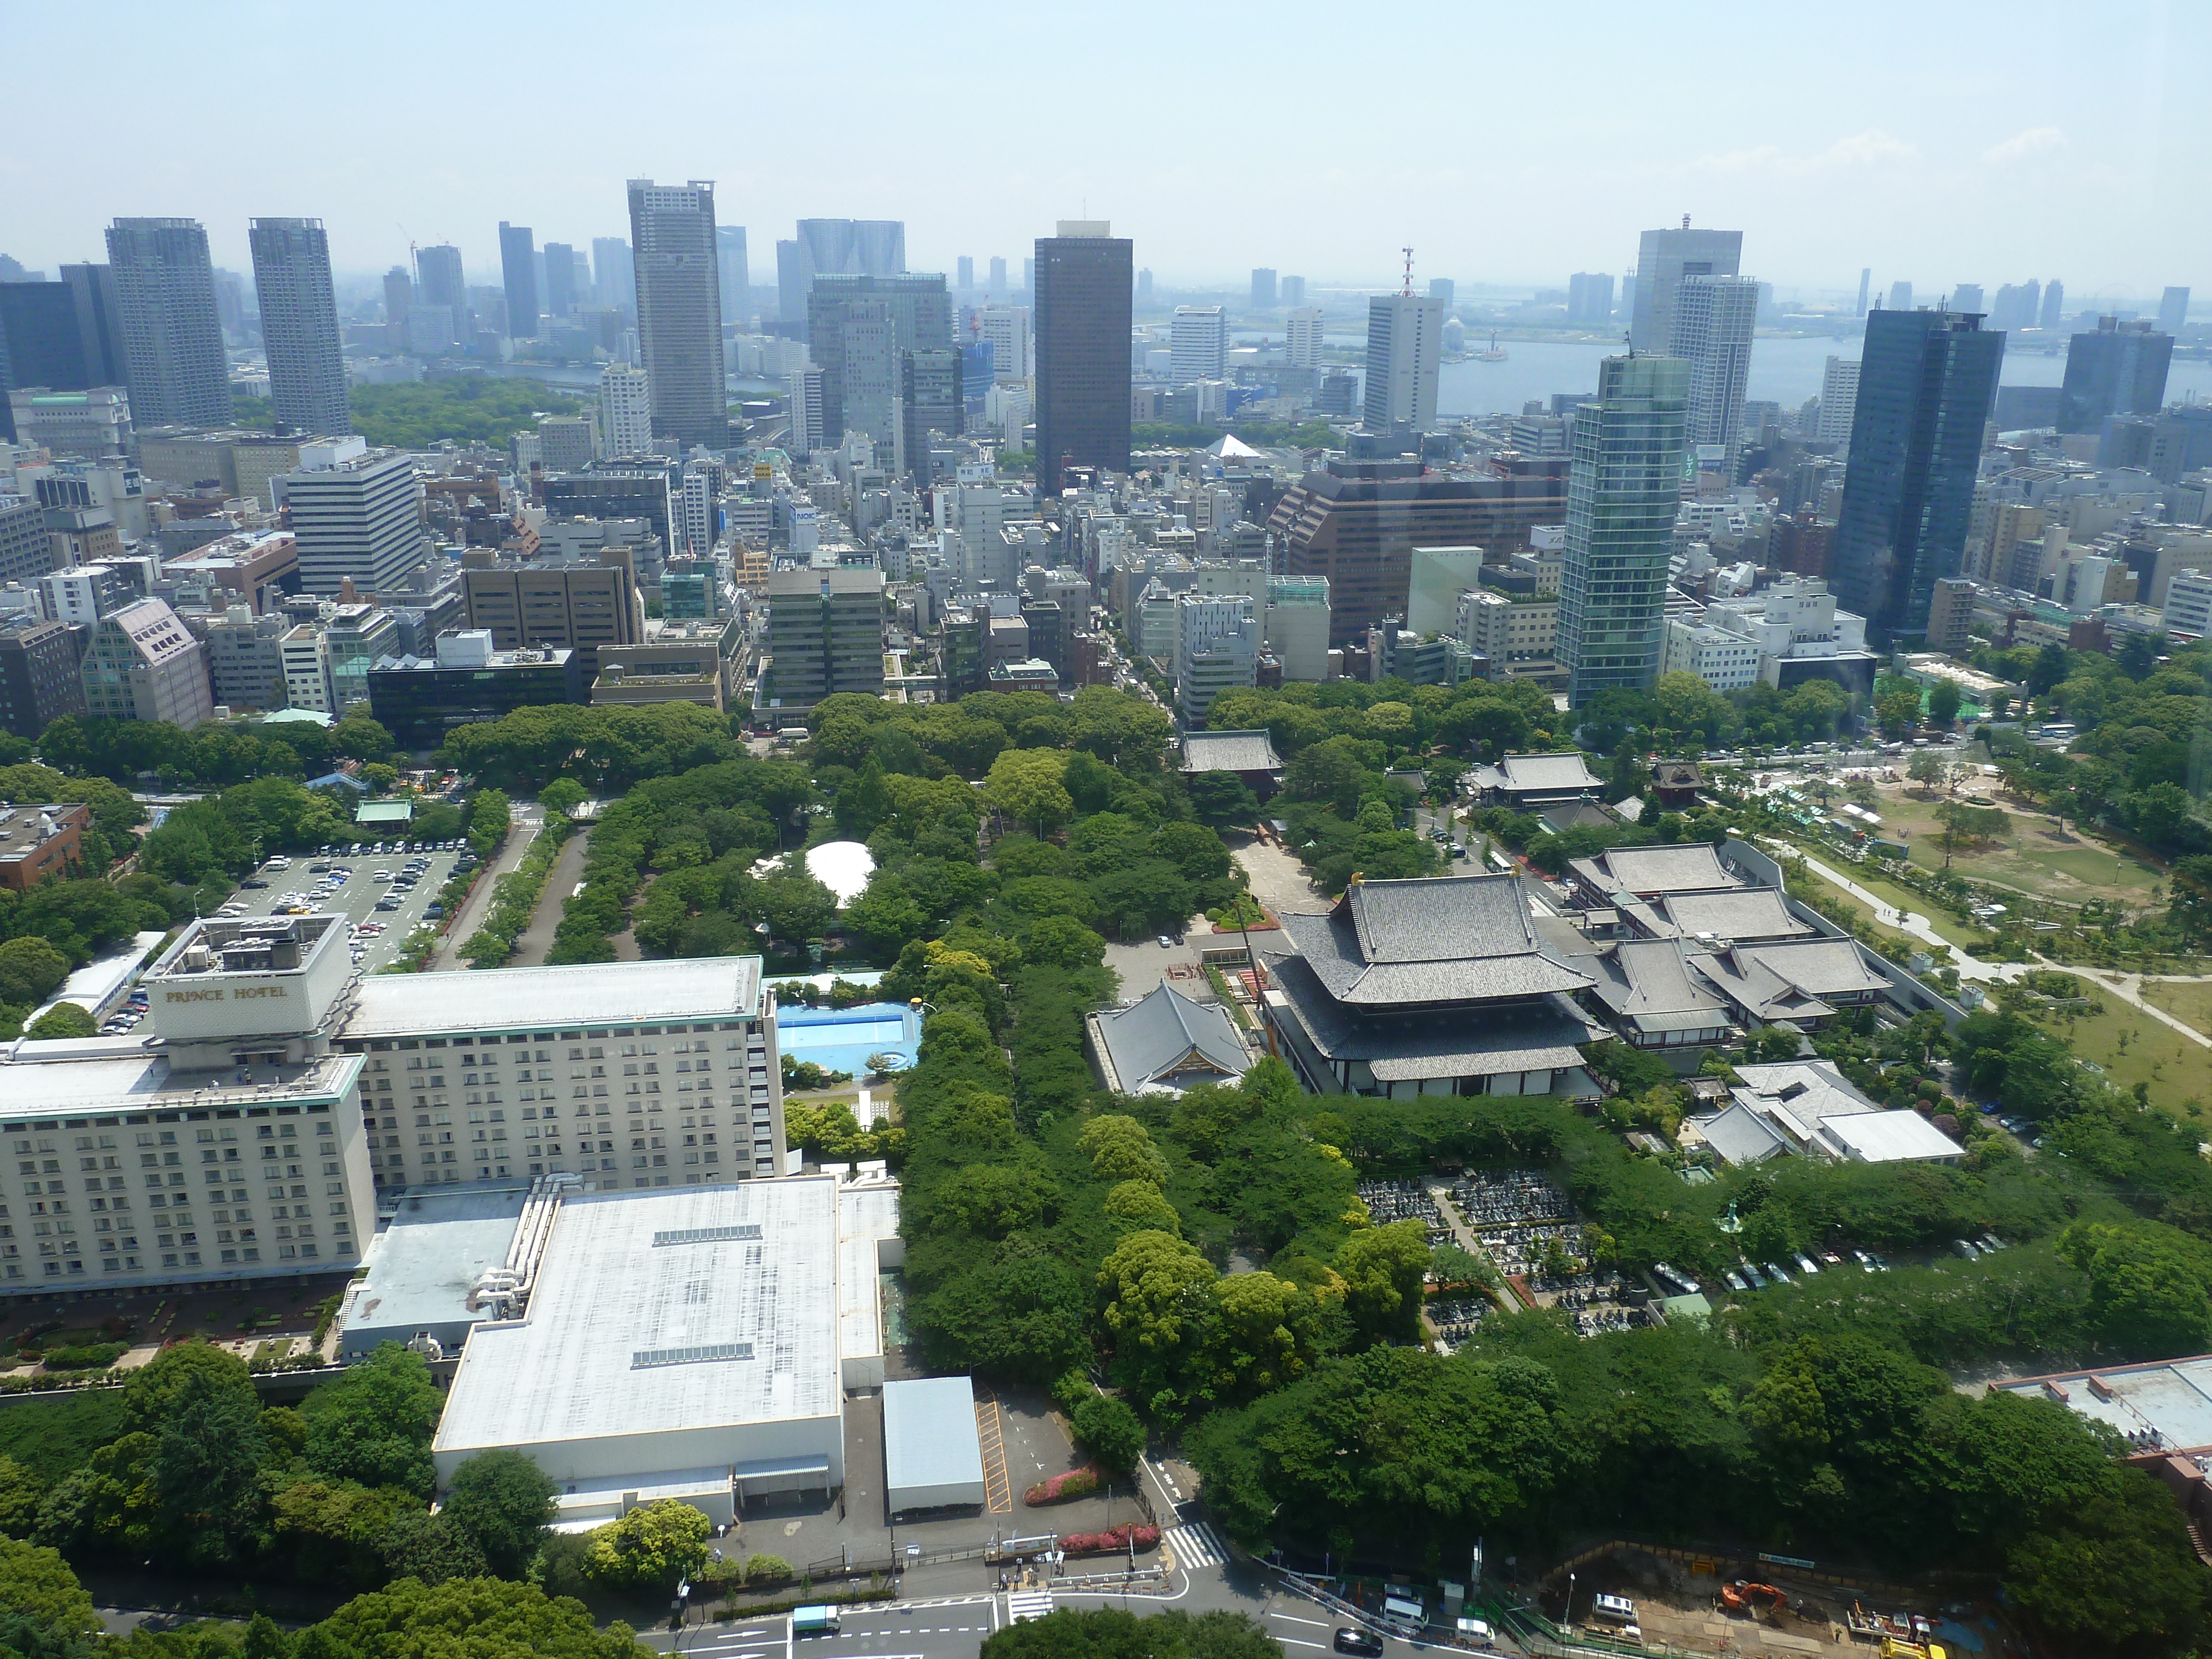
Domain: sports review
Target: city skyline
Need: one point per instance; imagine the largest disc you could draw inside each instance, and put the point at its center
(1924, 188)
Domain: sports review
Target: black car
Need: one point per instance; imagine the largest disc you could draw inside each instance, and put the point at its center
(253, 883)
(1365, 1643)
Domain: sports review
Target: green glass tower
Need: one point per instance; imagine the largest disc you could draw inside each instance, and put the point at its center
(1623, 490)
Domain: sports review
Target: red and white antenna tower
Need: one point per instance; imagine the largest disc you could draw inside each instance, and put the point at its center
(1407, 291)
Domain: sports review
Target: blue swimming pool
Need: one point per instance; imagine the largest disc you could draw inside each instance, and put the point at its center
(842, 1039)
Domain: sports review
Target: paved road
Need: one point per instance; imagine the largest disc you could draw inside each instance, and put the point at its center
(526, 823)
(561, 881)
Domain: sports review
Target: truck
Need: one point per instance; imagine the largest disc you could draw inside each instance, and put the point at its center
(814, 1621)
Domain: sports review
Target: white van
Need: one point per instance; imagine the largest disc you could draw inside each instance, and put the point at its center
(1613, 1609)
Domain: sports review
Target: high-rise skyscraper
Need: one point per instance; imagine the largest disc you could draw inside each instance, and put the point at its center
(1967, 296)
(1292, 291)
(1590, 298)
(966, 281)
(679, 309)
(1301, 337)
(1663, 258)
(859, 328)
(2119, 369)
(1713, 321)
(560, 295)
(399, 309)
(361, 518)
(735, 270)
(517, 266)
(625, 411)
(171, 337)
(1866, 279)
(1405, 355)
(1198, 345)
(614, 276)
(99, 322)
(1083, 278)
(2016, 306)
(2054, 303)
(806, 433)
(1263, 288)
(930, 400)
(1624, 491)
(1926, 379)
(998, 270)
(2173, 309)
(1143, 288)
(1901, 296)
(438, 280)
(791, 285)
(1443, 289)
(1005, 330)
(1839, 400)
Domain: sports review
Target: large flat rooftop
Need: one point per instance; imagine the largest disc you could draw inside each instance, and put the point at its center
(438, 1245)
(663, 1311)
(90, 1078)
(2166, 1404)
(594, 994)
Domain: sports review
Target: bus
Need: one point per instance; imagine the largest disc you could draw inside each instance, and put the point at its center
(814, 1621)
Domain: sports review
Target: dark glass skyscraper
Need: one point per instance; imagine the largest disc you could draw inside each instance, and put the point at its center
(1083, 278)
(679, 310)
(172, 336)
(1926, 382)
(2120, 369)
(300, 325)
(518, 270)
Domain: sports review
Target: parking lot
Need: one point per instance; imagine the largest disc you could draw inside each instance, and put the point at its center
(349, 887)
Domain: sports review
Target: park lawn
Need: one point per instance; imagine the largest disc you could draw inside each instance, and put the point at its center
(2190, 1003)
(2157, 1054)
(1968, 938)
(2029, 860)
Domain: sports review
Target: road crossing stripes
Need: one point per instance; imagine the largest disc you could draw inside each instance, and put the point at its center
(1196, 1544)
(1027, 1604)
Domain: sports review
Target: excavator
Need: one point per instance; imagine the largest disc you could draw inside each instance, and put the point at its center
(1747, 1598)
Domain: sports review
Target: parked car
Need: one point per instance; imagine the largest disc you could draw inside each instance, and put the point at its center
(1365, 1644)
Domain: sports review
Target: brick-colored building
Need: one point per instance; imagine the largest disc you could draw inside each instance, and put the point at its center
(40, 840)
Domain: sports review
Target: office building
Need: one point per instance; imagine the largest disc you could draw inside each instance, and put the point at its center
(1436, 577)
(1217, 650)
(568, 442)
(1358, 522)
(1301, 337)
(734, 272)
(1590, 298)
(1967, 296)
(1444, 290)
(621, 488)
(1005, 330)
(99, 321)
(614, 276)
(93, 425)
(142, 664)
(859, 327)
(1405, 355)
(2172, 310)
(791, 286)
(438, 284)
(863, 247)
(303, 658)
(931, 403)
(679, 310)
(625, 411)
(1198, 345)
(1901, 296)
(245, 667)
(166, 319)
(1926, 378)
(1083, 309)
(2188, 607)
(561, 297)
(964, 276)
(807, 412)
(998, 274)
(2054, 304)
(1840, 397)
(1951, 615)
(1292, 291)
(40, 344)
(517, 265)
(1623, 490)
(1263, 288)
(466, 683)
(300, 325)
(825, 634)
(38, 678)
(1663, 258)
(1713, 320)
(584, 604)
(361, 518)
(27, 553)
(2119, 368)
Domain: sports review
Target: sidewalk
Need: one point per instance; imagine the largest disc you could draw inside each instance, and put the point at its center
(1969, 966)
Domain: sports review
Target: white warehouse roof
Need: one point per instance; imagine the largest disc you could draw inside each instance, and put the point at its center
(675, 1330)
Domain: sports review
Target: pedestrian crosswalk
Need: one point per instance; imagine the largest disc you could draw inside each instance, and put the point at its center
(1197, 1544)
(1027, 1604)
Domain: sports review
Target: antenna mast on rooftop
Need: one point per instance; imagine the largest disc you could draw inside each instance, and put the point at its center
(1407, 291)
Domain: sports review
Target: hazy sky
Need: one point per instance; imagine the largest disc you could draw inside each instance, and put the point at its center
(1511, 143)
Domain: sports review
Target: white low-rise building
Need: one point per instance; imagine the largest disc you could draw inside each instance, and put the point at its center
(2189, 602)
